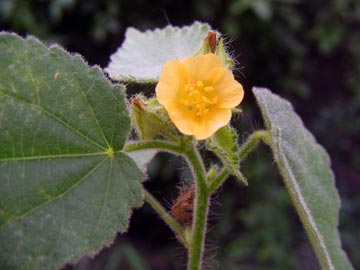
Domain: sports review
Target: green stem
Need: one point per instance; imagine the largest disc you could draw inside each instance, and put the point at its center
(200, 210)
(168, 219)
(219, 180)
(250, 144)
(195, 245)
(159, 209)
(163, 145)
(252, 141)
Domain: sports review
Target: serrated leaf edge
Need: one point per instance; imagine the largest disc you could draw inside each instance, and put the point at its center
(133, 30)
(116, 86)
(92, 68)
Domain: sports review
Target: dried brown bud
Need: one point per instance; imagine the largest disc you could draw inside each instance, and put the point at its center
(182, 208)
(211, 39)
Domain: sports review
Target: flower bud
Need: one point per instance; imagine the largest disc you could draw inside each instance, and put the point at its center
(150, 119)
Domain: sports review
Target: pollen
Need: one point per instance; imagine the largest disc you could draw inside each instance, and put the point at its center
(198, 97)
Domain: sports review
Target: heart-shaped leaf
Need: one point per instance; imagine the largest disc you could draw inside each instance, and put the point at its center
(305, 168)
(143, 54)
(65, 186)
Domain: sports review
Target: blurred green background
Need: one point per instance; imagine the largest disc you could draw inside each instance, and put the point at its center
(305, 51)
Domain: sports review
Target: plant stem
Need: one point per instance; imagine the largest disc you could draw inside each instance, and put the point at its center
(195, 252)
(195, 245)
(219, 180)
(159, 209)
(168, 219)
(201, 205)
(163, 145)
(252, 141)
(248, 146)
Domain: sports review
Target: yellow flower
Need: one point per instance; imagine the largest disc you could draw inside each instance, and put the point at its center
(198, 94)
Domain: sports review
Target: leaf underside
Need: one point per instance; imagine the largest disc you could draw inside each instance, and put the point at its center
(142, 158)
(305, 168)
(62, 192)
(142, 55)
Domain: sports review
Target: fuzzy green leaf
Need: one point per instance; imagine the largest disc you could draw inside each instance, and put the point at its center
(65, 186)
(224, 144)
(305, 168)
(143, 54)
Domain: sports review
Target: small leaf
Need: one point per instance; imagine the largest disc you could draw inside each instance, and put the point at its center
(143, 54)
(224, 144)
(65, 186)
(305, 168)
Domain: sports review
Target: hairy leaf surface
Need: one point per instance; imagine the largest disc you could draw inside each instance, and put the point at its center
(142, 55)
(65, 186)
(305, 168)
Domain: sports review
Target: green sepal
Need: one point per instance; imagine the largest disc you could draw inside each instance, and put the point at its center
(224, 56)
(212, 172)
(150, 119)
(214, 44)
(224, 144)
(236, 110)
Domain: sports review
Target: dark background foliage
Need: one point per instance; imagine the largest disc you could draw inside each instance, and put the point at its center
(305, 51)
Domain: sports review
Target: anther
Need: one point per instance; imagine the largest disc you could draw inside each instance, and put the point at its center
(199, 84)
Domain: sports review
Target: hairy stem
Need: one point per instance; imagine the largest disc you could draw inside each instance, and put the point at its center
(248, 146)
(196, 249)
(166, 217)
(162, 145)
(252, 141)
(219, 180)
(195, 244)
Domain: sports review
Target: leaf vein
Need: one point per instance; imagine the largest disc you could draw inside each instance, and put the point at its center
(53, 116)
(91, 109)
(103, 203)
(23, 158)
(20, 217)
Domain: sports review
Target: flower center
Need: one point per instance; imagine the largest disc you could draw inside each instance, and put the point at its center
(198, 98)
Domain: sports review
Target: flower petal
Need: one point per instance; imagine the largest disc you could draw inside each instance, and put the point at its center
(172, 77)
(180, 118)
(201, 66)
(201, 128)
(211, 123)
(202, 106)
(229, 91)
